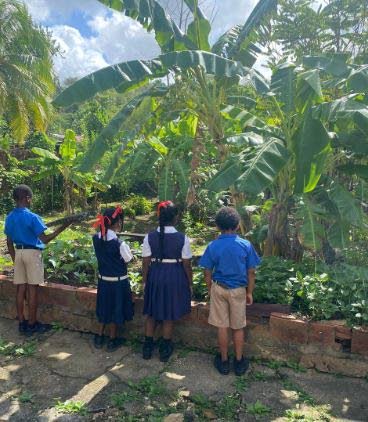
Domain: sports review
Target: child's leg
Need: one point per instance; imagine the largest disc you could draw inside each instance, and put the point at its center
(238, 339)
(150, 326)
(32, 303)
(222, 338)
(167, 329)
(101, 330)
(113, 330)
(21, 294)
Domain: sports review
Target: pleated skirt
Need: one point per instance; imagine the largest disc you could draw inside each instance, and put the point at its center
(114, 302)
(167, 292)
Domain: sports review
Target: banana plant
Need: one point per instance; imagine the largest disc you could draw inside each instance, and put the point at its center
(298, 149)
(187, 57)
(65, 164)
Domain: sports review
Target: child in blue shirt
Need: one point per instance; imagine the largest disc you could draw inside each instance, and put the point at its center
(229, 264)
(26, 231)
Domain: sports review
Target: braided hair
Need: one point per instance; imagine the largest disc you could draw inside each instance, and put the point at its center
(167, 213)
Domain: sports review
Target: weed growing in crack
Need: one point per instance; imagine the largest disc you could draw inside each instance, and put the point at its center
(73, 407)
(17, 350)
(258, 408)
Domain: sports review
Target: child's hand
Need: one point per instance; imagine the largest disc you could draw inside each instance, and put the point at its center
(249, 298)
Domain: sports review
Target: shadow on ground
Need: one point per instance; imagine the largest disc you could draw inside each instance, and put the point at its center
(61, 377)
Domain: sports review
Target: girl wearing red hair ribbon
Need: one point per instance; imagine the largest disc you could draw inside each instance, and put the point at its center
(167, 277)
(114, 298)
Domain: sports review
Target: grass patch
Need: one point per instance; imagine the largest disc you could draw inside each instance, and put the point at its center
(241, 384)
(303, 396)
(25, 397)
(258, 409)
(72, 407)
(17, 350)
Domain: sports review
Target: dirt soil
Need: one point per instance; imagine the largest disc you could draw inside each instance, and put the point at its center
(60, 376)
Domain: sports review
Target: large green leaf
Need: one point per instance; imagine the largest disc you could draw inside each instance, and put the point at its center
(153, 17)
(166, 182)
(347, 206)
(283, 85)
(181, 174)
(244, 118)
(226, 176)
(310, 215)
(105, 137)
(245, 139)
(260, 14)
(123, 75)
(44, 153)
(335, 64)
(358, 79)
(359, 170)
(312, 145)
(68, 149)
(262, 165)
(199, 29)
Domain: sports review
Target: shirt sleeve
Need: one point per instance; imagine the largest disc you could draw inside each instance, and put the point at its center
(37, 225)
(186, 252)
(206, 260)
(125, 252)
(252, 258)
(146, 248)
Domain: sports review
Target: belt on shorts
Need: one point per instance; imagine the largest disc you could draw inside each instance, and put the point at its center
(27, 247)
(224, 286)
(106, 278)
(166, 261)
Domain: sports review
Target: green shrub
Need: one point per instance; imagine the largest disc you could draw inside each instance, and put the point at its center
(139, 205)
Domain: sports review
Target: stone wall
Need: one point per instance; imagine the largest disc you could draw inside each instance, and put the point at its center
(271, 332)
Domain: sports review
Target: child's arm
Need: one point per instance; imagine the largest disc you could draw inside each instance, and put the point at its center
(208, 279)
(187, 264)
(251, 285)
(11, 249)
(145, 266)
(46, 238)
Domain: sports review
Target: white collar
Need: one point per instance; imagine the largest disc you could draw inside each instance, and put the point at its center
(110, 235)
(168, 229)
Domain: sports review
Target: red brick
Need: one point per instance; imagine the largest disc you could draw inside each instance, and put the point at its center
(58, 294)
(322, 334)
(264, 310)
(8, 309)
(343, 333)
(359, 343)
(87, 298)
(7, 289)
(288, 329)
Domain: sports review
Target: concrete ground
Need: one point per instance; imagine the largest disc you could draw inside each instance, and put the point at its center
(59, 376)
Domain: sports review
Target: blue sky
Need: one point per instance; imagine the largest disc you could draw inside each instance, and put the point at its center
(91, 36)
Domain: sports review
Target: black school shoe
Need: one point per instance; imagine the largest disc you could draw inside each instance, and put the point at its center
(22, 326)
(99, 341)
(147, 349)
(114, 343)
(37, 327)
(240, 366)
(166, 350)
(222, 366)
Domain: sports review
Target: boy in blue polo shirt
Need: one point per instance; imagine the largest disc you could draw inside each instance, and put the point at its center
(229, 264)
(25, 230)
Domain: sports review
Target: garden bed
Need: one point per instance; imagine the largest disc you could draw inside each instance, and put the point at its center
(272, 333)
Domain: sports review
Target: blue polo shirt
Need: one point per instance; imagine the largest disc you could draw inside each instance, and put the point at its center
(230, 257)
(23, 227)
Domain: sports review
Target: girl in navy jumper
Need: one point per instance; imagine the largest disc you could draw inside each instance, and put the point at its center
(114, 297)
(167, 279)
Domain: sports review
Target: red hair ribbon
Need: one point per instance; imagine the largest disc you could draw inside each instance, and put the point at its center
(162, 204)
(117, 211)
(100, 222)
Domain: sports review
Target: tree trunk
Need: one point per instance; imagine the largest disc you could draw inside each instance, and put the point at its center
(277, 242)
(194, 179)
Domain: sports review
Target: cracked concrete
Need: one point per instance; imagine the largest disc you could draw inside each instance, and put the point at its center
(66, 367)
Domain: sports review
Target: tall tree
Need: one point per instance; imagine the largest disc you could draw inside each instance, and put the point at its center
(26, 78)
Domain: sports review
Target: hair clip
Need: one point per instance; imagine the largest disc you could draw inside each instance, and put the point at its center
(117, 211)
(162, 204)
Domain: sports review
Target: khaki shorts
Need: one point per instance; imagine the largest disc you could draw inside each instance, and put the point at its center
(227, 307)
(28, 267)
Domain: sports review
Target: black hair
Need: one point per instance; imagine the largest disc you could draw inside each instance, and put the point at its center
(166, 217)
(227, 218)
(110, 221)
(21, 192)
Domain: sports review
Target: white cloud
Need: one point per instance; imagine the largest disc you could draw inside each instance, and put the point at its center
(110, 37)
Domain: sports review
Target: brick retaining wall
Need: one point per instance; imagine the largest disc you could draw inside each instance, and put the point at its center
(271, 333)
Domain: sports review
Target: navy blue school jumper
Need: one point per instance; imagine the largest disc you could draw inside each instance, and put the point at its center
(167, 291)
(114, 298)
